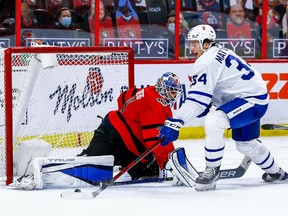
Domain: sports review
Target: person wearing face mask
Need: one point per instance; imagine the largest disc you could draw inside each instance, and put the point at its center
(65, 20)
(169, 33)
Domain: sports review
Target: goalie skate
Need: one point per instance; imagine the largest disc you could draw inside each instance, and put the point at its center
(25, 183)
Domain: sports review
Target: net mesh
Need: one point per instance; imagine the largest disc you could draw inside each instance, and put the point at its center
(62, 105)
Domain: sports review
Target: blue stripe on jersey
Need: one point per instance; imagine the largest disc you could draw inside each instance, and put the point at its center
(260, 97)
(201, 103)
(200, 93)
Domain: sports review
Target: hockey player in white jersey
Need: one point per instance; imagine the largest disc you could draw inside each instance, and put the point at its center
(223, 79)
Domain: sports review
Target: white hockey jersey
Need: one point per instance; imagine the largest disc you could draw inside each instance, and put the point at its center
(219, 76)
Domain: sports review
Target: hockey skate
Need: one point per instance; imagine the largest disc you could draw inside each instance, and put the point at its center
(280, 176)
(207, 180)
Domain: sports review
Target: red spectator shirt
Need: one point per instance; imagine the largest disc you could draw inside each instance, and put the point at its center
(128, 29)
(106, 29)
(140, 114)
(235, 31)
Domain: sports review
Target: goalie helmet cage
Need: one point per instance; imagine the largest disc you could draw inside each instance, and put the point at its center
(60, 103)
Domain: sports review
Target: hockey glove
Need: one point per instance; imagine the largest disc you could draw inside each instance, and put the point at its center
(170, 130)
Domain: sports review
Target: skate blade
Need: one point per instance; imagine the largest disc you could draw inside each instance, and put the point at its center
(202, 187)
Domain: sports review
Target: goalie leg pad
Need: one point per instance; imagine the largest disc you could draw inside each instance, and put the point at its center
(69, 172)
(182, 169)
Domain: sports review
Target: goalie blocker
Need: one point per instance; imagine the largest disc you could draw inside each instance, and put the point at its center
(38, 171)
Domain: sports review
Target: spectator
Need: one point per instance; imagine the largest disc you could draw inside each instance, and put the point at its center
(64, 20)
(273, 27)
(212, 12)
(249, 13)
(285, 24)
(169, 33)
(106, 25)
(212, 5)
(239, 27)
(285, 31)
(127, 20)
(157, 12)
(27, 18)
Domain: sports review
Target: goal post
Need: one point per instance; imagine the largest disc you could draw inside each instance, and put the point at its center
(57, 94)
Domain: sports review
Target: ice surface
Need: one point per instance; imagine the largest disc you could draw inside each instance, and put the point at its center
(245, 196)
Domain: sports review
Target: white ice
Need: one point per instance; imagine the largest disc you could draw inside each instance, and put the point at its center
(247, 195)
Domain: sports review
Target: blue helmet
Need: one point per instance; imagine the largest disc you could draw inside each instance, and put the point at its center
(169, 87)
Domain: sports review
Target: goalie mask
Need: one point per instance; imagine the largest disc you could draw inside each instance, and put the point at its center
(169, 87)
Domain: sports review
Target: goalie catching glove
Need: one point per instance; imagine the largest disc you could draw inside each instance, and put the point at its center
(182, 170)
(170, 130)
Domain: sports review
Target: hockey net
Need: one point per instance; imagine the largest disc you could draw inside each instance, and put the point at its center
(57, 94)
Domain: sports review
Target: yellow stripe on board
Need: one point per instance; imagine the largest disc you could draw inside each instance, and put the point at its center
(63, 140)
(82, 139)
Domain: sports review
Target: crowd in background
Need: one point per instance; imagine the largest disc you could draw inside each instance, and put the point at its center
(123, 20)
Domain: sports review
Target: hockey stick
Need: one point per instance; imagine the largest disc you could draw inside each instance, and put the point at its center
(224, 174)
(274, 127)
(141, 181)
(78, 194)
(236, 172)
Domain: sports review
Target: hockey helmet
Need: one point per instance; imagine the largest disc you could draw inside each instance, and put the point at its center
(169, 87)
(200, 33)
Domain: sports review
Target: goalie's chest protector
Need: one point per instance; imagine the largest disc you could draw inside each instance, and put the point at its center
(141, 112)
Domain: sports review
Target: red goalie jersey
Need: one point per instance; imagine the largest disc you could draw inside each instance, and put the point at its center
(140, 114)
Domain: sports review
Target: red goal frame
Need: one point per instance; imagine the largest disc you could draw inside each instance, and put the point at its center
(8, 86)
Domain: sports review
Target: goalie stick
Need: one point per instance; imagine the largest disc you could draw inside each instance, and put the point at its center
(274, 127)
(78, 194)
(224, 174)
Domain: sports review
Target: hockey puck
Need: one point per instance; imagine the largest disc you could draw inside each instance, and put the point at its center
(77, 190)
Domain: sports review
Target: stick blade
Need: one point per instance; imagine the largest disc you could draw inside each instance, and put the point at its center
(76, 195)
(267, 127)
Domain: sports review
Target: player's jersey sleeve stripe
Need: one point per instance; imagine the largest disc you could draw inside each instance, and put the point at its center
(151, 139)
(123, 97)
(260, 97)
(200, 93)
(151, 126)
(126, 96)
(199, 102)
